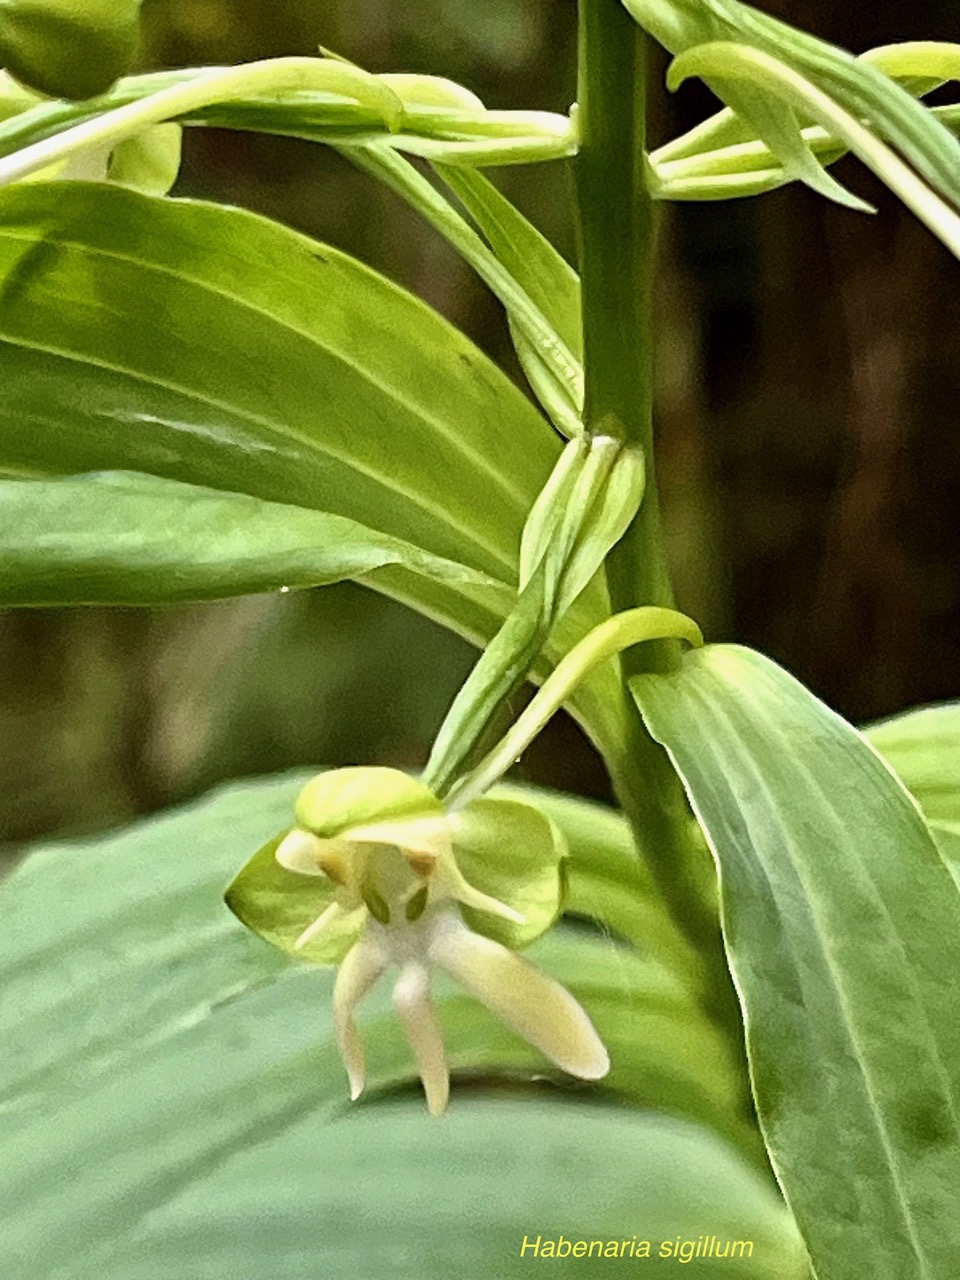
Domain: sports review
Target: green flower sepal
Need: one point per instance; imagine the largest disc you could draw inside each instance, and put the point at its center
(377, 875)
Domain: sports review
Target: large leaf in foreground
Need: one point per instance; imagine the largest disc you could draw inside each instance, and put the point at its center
(842, 926)
(171, 1103)
(124, 538)
(209, 345)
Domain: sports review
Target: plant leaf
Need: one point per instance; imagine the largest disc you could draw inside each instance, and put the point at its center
(753, 83)
(842, 928)
(923, 747)
(209, 345)
(175, 1095)
(544, 275)
(538, 268)
(125, 538)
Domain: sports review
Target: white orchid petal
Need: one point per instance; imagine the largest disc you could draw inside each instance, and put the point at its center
(411, 1000)
(539, 1009)
(362, 966)
(300, 851)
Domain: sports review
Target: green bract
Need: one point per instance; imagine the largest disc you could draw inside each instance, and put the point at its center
(68, 48)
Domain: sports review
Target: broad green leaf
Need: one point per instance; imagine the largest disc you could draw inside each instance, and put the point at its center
(924, 748)
(209, 345)
(175, 1097)
(842, 927)
(124, 538)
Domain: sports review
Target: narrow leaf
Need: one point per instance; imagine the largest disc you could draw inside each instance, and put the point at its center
(124, 538)
(739, 62)
(540, 270)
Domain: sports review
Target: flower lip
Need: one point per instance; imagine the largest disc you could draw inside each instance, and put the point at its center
(535, 1006)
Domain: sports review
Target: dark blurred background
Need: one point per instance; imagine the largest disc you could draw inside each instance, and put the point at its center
(809, 365)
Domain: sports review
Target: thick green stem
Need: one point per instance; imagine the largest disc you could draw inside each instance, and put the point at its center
(617, 259)
(617, 236)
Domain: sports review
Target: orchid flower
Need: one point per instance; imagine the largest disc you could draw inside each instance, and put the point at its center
(377, 876)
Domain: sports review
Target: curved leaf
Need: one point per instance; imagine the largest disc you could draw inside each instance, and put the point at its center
(770, 79)
(860, 89)
(209, 345)
(124, 538)
(842, 927)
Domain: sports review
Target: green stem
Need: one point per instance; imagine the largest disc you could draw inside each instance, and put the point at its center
(617, 260)
(617, 234)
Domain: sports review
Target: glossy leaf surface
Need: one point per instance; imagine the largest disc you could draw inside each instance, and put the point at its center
(842, 927)
(126, 538)
(209, 345)
(175, 1095)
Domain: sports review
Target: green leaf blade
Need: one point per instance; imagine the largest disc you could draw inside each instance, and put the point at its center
(129, 539)
(842, 926)
(208, 345)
